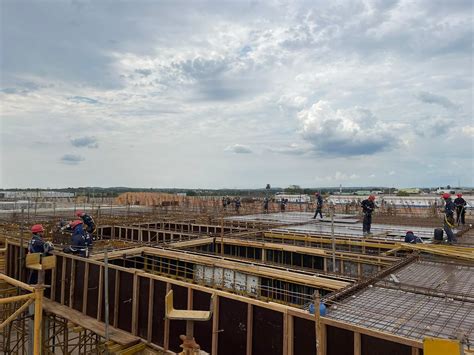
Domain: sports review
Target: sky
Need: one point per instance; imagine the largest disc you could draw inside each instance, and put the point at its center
(236, 94)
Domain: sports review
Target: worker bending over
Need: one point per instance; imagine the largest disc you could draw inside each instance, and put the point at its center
(80, 240)
(460, 205)
(319, 205)
(368, 207)
(87, 220)
(410, 237)
(449, 208)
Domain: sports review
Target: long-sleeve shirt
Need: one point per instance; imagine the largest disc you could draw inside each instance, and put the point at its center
(367, 206)
(319, 202)
(449, 207)
(36, 244)
(460, 202)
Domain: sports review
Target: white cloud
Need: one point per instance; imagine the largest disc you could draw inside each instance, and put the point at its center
(349, 132)
(339, 177)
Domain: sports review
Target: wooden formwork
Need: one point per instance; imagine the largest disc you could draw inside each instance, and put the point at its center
(240, 325)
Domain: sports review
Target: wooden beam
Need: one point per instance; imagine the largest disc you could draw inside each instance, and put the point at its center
(324, 340)
(215, 325)
(166, 337)
(135, 296)
(150, 310)
(249, 328)
(357, 344)
(63, 281)
(116, 298)
(73, 283)
(101, 293)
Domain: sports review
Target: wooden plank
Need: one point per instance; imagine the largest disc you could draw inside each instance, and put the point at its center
(166, 339)
(101, 293)
(249, 328)
(73, 281)
(357, 343)
(116, 335)
(290, 334)
(116, 298)
(215, 325)
(150, 310)
(285, 334)
(63, 281)
(135, 296)
(324, 340)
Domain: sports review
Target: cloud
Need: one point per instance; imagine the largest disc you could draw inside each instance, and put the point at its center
(13, 91)
(468, 131)
(88, 141)
(238, 149)
(292, 149)
(339, 176)
(83, 99)
(143, 72)
(71, 159)
(430, 98)
(351, 132)
(433, 126)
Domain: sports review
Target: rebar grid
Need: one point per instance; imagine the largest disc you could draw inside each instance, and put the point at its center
(441, 277)
(406, 314)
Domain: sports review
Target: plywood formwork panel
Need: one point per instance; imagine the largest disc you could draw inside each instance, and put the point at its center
(232, 327)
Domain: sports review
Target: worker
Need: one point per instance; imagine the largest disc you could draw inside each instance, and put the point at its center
(460, 205)
(283, 202)
(224, 203)
(79, 243)
(265, 204)
(368, 207)
(237, 204)
(449, 223)
(37, 245)
(87, 220)
(319, 205)
(410, 237)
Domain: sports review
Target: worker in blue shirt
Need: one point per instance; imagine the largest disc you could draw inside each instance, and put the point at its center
(319, 205)
(79, 243)
(37, 245)
(410, 237)
(449, 223)
(460, 204)
(368, 207)
(87, 220)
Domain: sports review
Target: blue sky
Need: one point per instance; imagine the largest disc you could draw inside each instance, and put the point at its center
(236, 93)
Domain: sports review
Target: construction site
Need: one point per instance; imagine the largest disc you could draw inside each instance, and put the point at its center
(173, 274)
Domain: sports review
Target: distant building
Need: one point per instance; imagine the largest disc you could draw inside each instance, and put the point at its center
(35, 194)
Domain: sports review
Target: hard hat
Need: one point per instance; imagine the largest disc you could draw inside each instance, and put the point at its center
(410, 232)
(75, 223)
(372, 197)
(459, 195)
(316, 193)
(80, 213)
(37, 228)
(446, 195)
